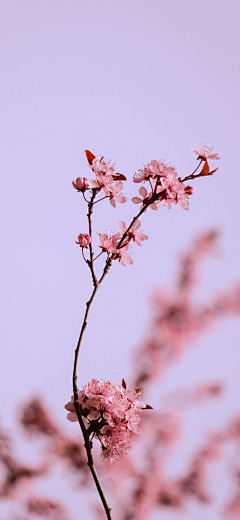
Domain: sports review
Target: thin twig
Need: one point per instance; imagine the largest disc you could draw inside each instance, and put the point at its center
(89, 216)
(99, 200)
(190, 177)
(97, 256)
(85, 260)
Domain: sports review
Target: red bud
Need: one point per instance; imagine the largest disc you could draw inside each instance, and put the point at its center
(90, 156)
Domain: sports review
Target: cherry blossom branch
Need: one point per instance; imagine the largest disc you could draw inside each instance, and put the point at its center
(96, 284)
(167, 189)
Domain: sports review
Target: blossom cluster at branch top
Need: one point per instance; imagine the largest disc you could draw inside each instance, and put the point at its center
(110, 414)
(106, 181)
(166, 187)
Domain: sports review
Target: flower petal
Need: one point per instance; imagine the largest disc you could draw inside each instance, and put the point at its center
(143, 192)
(72, 416)
(122, 225)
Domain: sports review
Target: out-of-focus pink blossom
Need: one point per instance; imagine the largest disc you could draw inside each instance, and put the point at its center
(204, 152)
(46, 508)
(134, 233)
(84, 240)
(36, 421)
(145, 197)
(81, 184)
(110, 414)
(193, 396)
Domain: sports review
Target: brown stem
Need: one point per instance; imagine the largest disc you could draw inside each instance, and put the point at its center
(190, 177)
(89, 216)
(85, 260)
(96, 285)
(99, 200)
(90, 460)
(151, 200)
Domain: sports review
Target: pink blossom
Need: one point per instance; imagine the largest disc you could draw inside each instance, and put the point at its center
(102, 183)
(81, 184)
(115, 194)
(133, 233)
(204, 152)
(111, 413)
(182, 194)
(102, 167)
(115, 443)
(105, 182)
(122, 257)
(173, 191)
(145, 197)
(84, 240)
(153, 170)
(109, 243)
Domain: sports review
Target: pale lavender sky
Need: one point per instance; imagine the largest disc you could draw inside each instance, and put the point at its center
(132, 80)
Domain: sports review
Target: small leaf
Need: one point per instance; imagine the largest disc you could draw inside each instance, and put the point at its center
(138, 390)
(119, 177)
(213, 171)
(206, 169)
(148, 407)
(124, 384)
(90, 156)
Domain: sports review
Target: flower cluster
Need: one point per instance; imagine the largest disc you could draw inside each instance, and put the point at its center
(106, 181)
(166, 187)
(110, 415)
(119, 246)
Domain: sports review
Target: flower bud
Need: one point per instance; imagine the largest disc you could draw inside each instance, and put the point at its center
(189, 190)
(81, 184)
(84, 240)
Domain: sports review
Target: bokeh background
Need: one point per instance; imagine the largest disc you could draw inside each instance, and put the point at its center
(133, 81)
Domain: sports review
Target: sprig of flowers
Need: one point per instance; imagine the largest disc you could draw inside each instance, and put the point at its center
(104, 411)
(110, 414)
